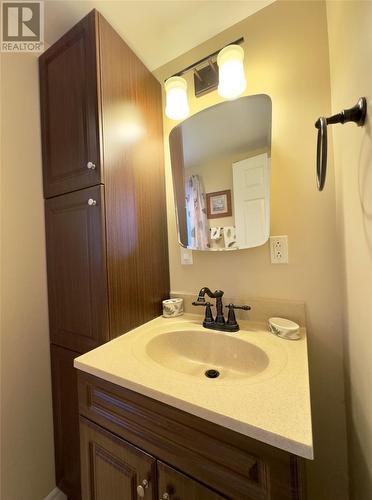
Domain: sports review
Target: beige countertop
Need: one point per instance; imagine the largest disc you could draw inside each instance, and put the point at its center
(272, 405)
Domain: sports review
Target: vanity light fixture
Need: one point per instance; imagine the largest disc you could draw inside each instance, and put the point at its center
(232, 80)
(223, 70)
(177, 105)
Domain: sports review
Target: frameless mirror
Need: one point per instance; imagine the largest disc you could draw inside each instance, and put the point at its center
(221, 175)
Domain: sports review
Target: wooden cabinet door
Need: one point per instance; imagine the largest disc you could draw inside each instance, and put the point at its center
(173, 485)
(76, 258)
(69, 111)
(66, 421)
(112, 469)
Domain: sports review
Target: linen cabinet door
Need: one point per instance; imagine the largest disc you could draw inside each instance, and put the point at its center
(111, 468)
(173, 485)
(76, 259)
(66, 421)
(69, 111)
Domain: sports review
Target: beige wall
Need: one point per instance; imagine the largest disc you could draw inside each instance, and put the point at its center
(26, 413)
(286, 50)
(350, 41)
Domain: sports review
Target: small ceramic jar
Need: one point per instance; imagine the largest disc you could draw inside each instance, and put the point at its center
(172, 308)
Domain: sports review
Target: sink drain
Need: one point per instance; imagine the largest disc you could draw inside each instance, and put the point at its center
(212, 373)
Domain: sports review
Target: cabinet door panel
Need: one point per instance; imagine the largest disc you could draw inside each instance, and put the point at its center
(69, 111)
(112, 468)
(66, 421)
(180, 487)
(75, 232)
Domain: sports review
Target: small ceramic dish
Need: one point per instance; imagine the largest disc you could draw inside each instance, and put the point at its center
(284, 328)
(172, 308)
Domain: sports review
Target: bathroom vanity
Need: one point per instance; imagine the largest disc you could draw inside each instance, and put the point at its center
(152, 425)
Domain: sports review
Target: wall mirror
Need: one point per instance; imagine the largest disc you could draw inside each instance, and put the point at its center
(221, 175)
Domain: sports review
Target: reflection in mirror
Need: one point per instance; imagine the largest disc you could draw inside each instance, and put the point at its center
(221, 175)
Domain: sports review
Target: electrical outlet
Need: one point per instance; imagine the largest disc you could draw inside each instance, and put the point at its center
(279, 249)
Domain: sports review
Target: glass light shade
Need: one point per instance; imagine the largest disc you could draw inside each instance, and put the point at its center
(176, 106)
(232, 80)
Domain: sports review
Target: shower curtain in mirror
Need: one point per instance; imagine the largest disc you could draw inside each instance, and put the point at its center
(197, 222)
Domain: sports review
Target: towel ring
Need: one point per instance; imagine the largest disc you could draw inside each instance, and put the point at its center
(321, 153)
(356, 114)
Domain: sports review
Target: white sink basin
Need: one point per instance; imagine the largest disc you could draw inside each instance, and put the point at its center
(186, 351)
(194, 352)
(262, 390)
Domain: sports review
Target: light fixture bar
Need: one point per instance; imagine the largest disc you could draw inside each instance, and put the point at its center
(210, 56)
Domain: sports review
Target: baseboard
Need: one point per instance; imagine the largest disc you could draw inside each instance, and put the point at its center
(56, 494)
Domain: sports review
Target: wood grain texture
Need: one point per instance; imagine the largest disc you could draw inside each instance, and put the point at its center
(76, 262)
(112, 468)
(231, 464)
(66, 421)
(181, 487)
(137, 248)
(69, 110)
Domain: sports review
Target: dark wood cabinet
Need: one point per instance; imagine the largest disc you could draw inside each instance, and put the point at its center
(173, 485)
(112, 469)
(66, 420)
(77, 278)
(196, 459)
(137, 243)
(107, 263)
(69, 111)
(106, 236)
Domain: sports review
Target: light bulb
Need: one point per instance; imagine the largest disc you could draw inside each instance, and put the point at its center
(232, 80)
(177, 106)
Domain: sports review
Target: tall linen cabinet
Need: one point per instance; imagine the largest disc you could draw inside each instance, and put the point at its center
(105, 213)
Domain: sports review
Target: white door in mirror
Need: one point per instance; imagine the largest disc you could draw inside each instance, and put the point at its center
(279, 249)
(251, 187)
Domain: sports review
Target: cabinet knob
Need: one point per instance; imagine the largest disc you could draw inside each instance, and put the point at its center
(142, 487)
(92, 202)
(91, 165)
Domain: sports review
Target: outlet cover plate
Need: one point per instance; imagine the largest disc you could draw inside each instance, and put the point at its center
(279, 249)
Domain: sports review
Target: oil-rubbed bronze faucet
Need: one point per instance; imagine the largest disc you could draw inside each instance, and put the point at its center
(219, 322)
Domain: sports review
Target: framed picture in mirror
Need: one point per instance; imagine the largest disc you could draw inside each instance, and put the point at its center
(219, 204)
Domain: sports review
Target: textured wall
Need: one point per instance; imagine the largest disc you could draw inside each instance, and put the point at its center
(350, 42)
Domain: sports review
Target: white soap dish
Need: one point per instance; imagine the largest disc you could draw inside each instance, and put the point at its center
(284, 328)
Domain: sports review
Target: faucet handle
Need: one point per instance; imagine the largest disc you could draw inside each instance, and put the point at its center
(231, 319)
(233, 306)
(208, 318)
